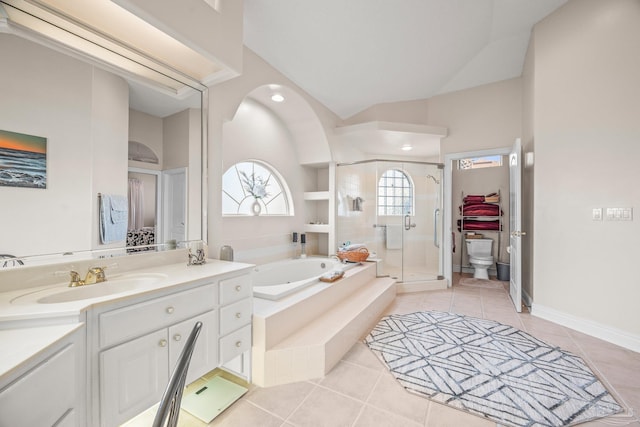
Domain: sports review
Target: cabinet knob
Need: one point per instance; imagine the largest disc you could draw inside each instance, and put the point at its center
(177, 337)
(238, 288)
(238, 315)
(162, 343)
(170, 309)
(238, 344)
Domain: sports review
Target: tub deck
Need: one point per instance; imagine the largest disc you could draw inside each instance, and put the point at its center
(304, 335)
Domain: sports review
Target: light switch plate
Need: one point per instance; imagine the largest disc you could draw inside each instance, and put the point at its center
(597, 214)
(619, 214)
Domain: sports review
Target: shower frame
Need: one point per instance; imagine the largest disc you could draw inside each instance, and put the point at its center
(414, 235)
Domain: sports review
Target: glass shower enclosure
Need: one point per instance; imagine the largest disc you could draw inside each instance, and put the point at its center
(394, 208)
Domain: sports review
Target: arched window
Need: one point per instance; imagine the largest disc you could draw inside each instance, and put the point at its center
(254, 188)
(395, 193)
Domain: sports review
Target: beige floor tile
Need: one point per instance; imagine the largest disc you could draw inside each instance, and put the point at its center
(629, 397)
(353, 380)
(327, 401)
(280, 400)
(374, 417)
(361, 355)
(467, 311)
(390, 396)
(243, 414)
(443, 416)
(326, 408)
(618, 375)
(436, 306)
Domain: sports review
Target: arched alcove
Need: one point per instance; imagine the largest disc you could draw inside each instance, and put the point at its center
(140, 152)
(307, 132)
(289, 137)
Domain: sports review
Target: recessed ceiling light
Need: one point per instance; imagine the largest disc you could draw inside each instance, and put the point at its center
(277, 97)
(407, 147)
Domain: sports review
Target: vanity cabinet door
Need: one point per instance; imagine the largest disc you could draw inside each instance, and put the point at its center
(133, 377)
(205, 354)
(43, 396)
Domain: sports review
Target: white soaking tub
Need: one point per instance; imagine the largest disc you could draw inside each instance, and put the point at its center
(276, 280)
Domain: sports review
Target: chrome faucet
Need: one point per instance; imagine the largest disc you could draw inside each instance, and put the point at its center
(94, 275)
(198, 258)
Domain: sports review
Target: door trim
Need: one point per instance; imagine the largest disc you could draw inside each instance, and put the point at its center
(447, 215)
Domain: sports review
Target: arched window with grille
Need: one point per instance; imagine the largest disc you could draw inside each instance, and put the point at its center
(395, 193)
(253, 187)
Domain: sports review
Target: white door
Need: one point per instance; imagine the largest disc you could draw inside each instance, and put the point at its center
(515, 224)
(174, 212)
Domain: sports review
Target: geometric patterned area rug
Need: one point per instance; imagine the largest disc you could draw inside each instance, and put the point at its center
(490, 369)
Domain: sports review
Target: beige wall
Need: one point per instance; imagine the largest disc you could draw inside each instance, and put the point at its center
(480, 118)
(146, 129)
(586, 128)
(82, 111)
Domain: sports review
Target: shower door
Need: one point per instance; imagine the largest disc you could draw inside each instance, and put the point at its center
(397, 215)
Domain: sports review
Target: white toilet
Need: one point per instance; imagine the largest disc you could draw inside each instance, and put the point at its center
(480, 257)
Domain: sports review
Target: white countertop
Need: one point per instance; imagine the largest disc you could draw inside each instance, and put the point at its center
(21, 345)
(24, 331)
(20, 305)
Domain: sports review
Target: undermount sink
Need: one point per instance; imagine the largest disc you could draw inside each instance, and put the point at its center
(121, 283)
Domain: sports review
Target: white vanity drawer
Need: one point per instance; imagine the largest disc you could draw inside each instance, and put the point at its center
(235, 344)
(235, 289)
(130, 322)
(234, 316)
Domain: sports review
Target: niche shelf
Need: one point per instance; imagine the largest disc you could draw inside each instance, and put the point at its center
(319, 206)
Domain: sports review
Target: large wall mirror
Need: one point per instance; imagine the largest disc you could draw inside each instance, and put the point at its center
(101, 127)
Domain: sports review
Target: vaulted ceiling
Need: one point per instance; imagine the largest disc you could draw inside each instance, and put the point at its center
(353, 54)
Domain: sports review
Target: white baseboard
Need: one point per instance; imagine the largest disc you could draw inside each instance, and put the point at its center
(589, 327)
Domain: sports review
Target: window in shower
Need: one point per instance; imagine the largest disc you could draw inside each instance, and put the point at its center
(254, 188)
(395, 193)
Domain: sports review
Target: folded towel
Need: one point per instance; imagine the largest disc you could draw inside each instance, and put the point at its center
(353, 246)
(113, 218)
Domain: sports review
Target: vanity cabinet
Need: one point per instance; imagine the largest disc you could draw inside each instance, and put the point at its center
(138, 343)
(51, 391)
(134, 373)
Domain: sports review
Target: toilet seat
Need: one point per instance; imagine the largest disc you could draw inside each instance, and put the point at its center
(481, 260)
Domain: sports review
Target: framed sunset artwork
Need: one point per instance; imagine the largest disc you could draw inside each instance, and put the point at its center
(23, 160)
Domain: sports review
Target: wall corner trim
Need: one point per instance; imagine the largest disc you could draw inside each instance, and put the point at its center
(604, 332)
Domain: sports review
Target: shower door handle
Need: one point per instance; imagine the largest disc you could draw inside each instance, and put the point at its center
(436, 214)
(407, 222)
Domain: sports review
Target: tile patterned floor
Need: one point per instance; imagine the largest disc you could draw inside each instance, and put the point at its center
(360, 392)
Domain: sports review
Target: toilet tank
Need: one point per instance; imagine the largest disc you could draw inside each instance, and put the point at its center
(479, 247)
